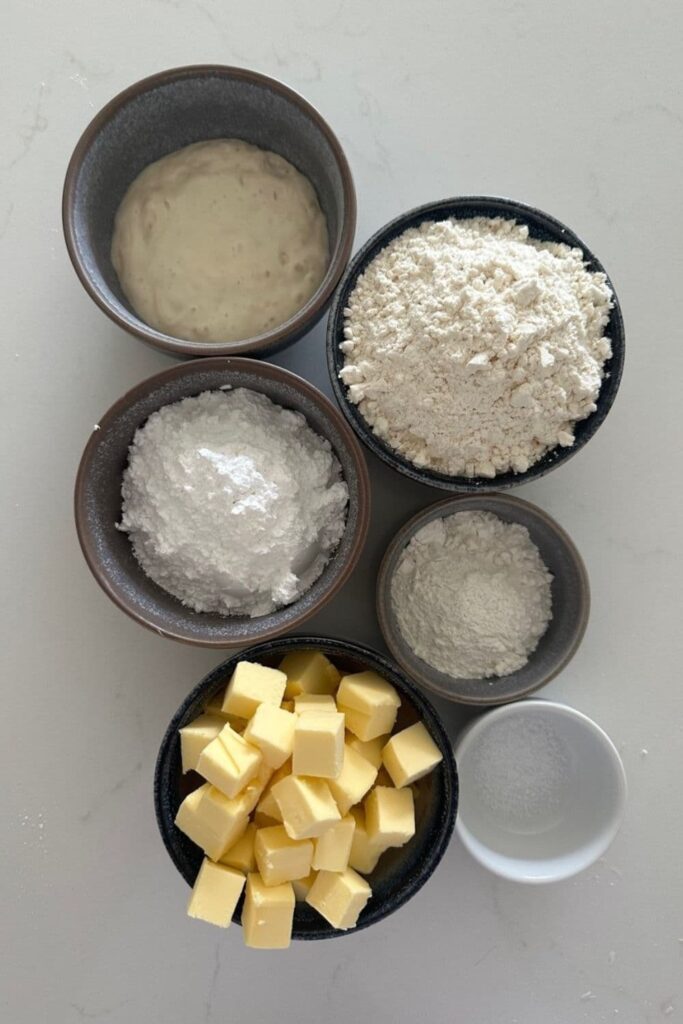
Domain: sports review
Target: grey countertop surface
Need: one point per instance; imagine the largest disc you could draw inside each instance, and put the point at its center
(575, 108)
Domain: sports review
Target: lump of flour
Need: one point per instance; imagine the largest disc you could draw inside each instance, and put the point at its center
(472, 596)
(232, 503)
(473, 349)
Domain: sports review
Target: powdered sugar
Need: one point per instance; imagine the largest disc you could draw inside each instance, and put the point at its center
(232, 503)
(473, 349)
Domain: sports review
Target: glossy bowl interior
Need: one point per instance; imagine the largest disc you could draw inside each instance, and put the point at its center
(570, 602)
(170, 110)
(400, 872)
(541, 226)
(109, 553)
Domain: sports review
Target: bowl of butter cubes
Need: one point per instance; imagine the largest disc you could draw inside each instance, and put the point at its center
(305, 789)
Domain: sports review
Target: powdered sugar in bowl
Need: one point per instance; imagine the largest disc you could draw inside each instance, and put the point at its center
(178, 596)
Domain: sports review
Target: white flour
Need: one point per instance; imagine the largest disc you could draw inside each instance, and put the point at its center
(232, 504)
(472, 349)
(471, 595)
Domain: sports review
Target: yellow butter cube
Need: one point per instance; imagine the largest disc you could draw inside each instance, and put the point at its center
(301, 886)
(314, 702)
(267, 914)
(306, 805)
(339, 898)
(229, 762)
(251, 685)
(279, 858)
(197, 735)
(365, 852)
(371, 750)
(309, 672)
(215, 894)
(390, 815)
(211, 820)
(333, 847)
(354, 780)
(251, 794)
(271, 730)
(318, 744)
(369, 703)
(410, 754)
(241, 854)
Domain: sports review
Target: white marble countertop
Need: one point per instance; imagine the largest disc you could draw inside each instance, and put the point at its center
(574, 108)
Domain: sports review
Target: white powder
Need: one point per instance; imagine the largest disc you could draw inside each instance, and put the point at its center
(232, 504)
(472, 596)
(473, 349)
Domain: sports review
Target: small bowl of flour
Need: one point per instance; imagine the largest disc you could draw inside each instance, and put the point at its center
(483, 599)
(222, 502)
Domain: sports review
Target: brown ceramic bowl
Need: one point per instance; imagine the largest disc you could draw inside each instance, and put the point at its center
(170, 110)
(109, 553)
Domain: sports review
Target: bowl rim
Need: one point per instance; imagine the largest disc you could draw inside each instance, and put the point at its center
(491, 206)
(449, 506)
(304, 318)
(415, 880)
(226, 364)
(606, 838)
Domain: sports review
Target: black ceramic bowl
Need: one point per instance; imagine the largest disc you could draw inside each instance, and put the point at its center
(97, 503)
(541, 226)
(400, 872)
(170, 110)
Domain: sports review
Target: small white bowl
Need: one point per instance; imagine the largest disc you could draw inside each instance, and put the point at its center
(542, 791)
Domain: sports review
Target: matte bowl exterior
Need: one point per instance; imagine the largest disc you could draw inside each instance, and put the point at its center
(570, 602)
(400, 872)
(109, 552)
(541, 226)
(172, 109)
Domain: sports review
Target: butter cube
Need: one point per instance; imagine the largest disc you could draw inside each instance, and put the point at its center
(339, 898)
(229, 762)
(410, 754)
(267, 914)
(314, 702)
(241, 854)
(301, 886)
(271, 730)
(318, 744)
(365, 852)
(390, 815)
(279, 858)
(369, 703)
(197, 735)
(306, 805)
(371, 750)
(251, 685)
(211, 820)
(354, 780)
(333, 847)
(309, 672)
(215, 894)
(251, 794)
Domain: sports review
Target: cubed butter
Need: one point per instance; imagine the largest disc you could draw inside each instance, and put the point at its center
(197, 735)
(267, 914)
(318, 744)
(339, 898)
(333, 847)
(271, 730)
(279, 858)
(410, 754)
(364, 851)
(251, 794)
(309, 672)
(306, 805)
(251, 685)
(241, 854)
(354, 780)
(301, 886)
(229, 762)
(369, 703)
(215, 893)
(211, 820)
(314, 702)
(371, 750)
(390, 816)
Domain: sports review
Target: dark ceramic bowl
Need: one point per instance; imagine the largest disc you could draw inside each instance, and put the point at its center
(570, 603)
(109, 553)
(400, 872)
(541, 226)
(170, 110)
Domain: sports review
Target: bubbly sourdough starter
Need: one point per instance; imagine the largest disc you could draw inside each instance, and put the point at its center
(219, 241)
